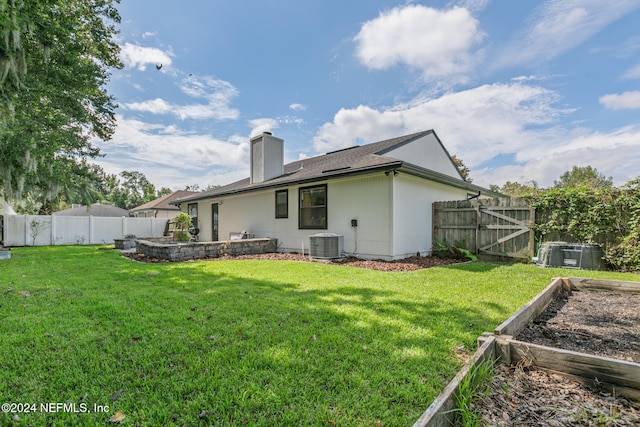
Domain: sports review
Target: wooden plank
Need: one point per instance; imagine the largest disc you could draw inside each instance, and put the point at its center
(439, 413)
(611, 374)
(604, 285)
(516, 323)
(489, 211)
(454, 227)
(505, 239)
(454, 209)
(503, 227)
(507, 254)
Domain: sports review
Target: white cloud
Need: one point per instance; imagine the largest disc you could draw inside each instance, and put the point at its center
(169, 156)
(479, 125)
(298, 107)
(134, 56)
(258, 126)
(560, 25)
(615, 153)
(632, 73)
(495, 114)
(218, 95)
(625, 100)
(473, 5)
(439, 43)
(154, 106)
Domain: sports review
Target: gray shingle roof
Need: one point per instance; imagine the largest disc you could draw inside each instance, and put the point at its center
(163, 203)
(351, 160)
(96, 209)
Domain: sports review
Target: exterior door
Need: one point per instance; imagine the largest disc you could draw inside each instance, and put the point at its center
(214, 222)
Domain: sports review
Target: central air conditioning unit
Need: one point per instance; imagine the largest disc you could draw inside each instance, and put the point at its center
(326, 246)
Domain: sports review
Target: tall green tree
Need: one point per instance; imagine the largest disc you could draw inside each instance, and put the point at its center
(55, 60)
(516, 189)
(585, 176)
(134, 190)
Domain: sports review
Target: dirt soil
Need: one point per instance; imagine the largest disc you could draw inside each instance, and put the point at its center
(406, 264)
(599, 323)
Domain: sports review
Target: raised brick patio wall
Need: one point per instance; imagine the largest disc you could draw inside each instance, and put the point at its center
(198, 250)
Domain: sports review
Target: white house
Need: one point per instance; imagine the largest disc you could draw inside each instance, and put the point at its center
(161, 207)
(377, 196)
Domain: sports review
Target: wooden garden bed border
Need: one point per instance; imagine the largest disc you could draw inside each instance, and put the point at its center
(604, 372)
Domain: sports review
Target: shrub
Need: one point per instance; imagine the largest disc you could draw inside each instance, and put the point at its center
(443, 249)
(182, 222)
(606, 216)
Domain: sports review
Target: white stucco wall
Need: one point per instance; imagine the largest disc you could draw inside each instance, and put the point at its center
(394, 215)
(413, 213)
(428, 153)
(365, 198)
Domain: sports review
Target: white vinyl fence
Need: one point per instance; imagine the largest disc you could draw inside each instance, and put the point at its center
(45, 230)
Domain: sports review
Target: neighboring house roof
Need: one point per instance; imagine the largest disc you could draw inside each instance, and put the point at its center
(96, 209)
(348, 161)
(163, 203)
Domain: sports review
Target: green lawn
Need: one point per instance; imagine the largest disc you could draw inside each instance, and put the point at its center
(240, 342)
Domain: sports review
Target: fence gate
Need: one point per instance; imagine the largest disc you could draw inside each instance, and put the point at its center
(493, 229)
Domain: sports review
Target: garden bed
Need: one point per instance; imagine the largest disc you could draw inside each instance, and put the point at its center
(580, 320)
(575, 361)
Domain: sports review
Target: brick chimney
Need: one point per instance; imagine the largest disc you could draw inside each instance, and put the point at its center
(266, 157)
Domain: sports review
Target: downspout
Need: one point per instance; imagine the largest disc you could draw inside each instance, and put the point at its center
(391, 218)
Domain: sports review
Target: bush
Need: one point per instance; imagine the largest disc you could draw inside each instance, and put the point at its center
(181, 236)
(443, 249)
(609, 217)
(182, 222)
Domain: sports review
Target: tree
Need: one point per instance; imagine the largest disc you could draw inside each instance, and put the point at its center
(164, 191)
(464, 171)
(586, 176)
(55, 58)
(134, 190)
(516, 189)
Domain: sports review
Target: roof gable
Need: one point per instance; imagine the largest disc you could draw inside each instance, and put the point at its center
(417, 150)
(427, 153)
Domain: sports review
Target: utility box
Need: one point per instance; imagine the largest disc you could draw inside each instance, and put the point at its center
(571, 255)
(550, 254)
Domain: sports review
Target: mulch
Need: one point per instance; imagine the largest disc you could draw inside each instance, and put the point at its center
(599, 323)
(406, 264)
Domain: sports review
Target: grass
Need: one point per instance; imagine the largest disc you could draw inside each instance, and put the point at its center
(240, 342)
(473, 388)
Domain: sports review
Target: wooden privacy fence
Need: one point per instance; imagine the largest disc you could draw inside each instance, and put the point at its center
(493, 229)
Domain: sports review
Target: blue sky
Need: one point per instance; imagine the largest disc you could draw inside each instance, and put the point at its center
(519, 90)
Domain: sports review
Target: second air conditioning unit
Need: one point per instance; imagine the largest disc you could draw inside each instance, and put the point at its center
(326, 245)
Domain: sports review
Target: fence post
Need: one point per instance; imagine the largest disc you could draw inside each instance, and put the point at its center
(53, 230)
(26, 230)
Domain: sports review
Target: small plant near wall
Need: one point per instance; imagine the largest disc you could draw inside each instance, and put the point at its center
(182, 223)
